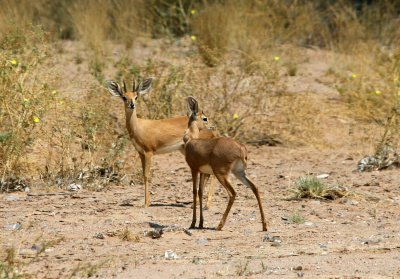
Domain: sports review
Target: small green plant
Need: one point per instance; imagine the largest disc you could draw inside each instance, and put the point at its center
(96, 68)
(242, 269)
(8, 266)
(310, 187)
(296, 218)
(313, 188)
(88, 269)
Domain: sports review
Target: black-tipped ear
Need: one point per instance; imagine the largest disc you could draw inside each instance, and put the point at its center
(144, 86)
(114, 88)
(193, 106)
(124, 86)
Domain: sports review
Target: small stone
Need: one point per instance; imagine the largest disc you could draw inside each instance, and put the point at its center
(196, 260)
(74, 187)
(201, 241)
(11, 198)
(322, 176)
(308, 223)
(269, 238)
(155, 234)
(128, 202)
(99, 235)
(300, 274)
(36, 247)
(170, 255)
(14, 227)
(298, 268)
(322, 246)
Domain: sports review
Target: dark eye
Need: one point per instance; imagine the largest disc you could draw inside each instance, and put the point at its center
(124, 98)
(136, 98)
(205, 119)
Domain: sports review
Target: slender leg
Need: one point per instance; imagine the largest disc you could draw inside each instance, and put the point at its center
(241, 175)
(210, 192)
(194, 178)
(146, 162)
(223, 179)
(203, 178)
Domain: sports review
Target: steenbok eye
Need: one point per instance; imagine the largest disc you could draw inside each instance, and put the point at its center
(205, 119)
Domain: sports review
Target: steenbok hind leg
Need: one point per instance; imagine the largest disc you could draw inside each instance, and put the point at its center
(241, 175)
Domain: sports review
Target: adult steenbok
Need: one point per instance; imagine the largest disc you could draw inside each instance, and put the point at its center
(151, 137)
(219, 156)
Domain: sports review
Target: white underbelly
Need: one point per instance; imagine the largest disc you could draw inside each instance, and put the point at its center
(170, 148)
(206, 169)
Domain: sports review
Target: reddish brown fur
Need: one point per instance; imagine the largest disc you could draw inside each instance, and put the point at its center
(219, 156)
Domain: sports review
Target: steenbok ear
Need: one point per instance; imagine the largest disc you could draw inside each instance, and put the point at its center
(193, 106)
(144, 86)
(114, 88)
(135, 85)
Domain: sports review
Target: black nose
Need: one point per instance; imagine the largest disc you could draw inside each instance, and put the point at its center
(131, 105)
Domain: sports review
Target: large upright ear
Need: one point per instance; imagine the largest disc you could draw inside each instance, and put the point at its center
(193, 106)
(114, 88)
(135, 85)
(144, 86)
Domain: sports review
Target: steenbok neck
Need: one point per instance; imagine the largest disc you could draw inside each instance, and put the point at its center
(194, 130)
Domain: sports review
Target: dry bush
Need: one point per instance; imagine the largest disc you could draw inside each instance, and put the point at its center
(84, 146)
(61, 139)
(91, 23)
(20, 13)
(129, 20)
(26, 95)
(213, 28)
(169, 17)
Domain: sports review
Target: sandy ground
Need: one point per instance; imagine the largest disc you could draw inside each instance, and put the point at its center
(355, 237)
(105, 234)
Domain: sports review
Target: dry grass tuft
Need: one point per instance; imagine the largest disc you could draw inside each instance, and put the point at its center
(126, 235)
(312, 188)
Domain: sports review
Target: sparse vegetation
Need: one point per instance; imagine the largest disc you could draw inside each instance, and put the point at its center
(244, 93)
(241, 59)
(296, 218)
(8, 265)
(313, 188)
(126, 235)
(87, 270)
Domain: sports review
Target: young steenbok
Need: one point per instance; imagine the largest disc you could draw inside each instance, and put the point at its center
(219, 156)
(151, 137)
